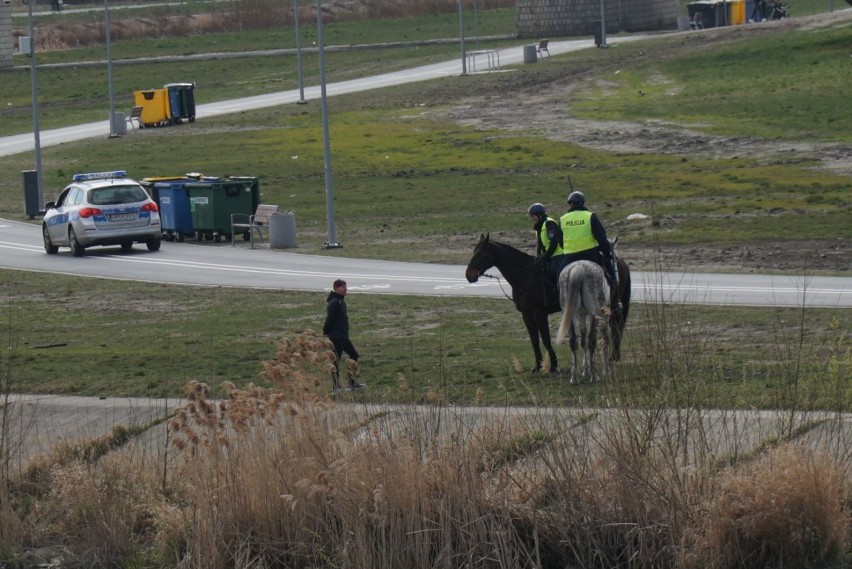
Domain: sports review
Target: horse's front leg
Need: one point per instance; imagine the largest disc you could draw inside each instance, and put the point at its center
(616, 330)
(532, 330)
(544, 333)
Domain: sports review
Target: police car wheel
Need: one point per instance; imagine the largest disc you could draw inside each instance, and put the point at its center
(76, 249)
(49, 247)
(153, 244)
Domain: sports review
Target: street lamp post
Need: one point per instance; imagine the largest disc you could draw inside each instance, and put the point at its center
(461, 34)
(302, 100)
(329, 192)
(34, 88)
(603, 23)
(113, 130)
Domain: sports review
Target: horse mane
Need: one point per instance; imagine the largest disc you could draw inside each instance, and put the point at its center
(512, 250)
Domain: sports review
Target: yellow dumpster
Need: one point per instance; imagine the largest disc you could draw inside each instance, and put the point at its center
(155, 106)
(737, 14)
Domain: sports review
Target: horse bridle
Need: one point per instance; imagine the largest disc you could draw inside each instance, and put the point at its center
(482, 273)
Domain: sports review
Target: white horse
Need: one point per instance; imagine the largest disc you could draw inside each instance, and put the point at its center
(584, 296)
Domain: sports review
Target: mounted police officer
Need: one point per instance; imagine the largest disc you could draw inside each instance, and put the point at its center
(584, 238)
(548, 250)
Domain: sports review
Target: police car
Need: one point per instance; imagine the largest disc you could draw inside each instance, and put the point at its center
(101, 208)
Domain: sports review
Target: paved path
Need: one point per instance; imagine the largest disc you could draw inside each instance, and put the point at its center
(39, 422)
(19, 143)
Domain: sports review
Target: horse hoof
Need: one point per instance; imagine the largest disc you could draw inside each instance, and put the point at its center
(555, 371)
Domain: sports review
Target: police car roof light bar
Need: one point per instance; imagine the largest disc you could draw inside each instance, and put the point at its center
(99, 176)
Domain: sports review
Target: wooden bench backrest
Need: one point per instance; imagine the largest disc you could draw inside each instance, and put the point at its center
(263, 213)
(543, 44)
(136, 112)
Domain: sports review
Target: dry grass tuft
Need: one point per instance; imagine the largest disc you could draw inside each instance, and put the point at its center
(788, 509)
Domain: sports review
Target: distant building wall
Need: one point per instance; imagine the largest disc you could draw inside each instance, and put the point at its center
(559, 18)
(5, 34)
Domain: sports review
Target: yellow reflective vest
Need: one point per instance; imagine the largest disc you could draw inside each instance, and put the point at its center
(545, 240)
(577, 231)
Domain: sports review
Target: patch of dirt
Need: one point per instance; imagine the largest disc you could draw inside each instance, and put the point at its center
(541, 108)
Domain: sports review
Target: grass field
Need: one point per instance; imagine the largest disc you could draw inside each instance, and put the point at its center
(139, 339)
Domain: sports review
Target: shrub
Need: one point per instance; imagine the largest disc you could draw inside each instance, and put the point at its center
(787, 509)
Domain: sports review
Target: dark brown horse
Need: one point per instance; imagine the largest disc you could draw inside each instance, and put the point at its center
(533, 299)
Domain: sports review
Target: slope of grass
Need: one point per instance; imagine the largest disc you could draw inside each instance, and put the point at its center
(770, 85)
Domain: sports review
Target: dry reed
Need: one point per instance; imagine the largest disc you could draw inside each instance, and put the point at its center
(283, 477)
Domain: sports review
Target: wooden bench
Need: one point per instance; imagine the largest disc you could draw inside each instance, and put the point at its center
(542, 47)
(135, 115)
(254, 222)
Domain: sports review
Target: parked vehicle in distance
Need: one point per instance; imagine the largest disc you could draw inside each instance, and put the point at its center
(101, 208)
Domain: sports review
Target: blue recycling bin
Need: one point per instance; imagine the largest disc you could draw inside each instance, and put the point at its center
(175, 213)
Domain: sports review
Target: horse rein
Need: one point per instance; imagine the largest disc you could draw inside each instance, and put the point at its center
(499, 281)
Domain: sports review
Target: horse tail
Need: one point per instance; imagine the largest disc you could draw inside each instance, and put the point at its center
(569, 297)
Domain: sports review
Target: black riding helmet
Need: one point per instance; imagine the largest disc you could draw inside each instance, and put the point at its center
(576, 198)
(536, 209)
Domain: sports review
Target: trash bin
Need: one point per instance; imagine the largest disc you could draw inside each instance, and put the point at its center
(32, 199)
(530, 55)
(181, 101)
(710, 10)
(175, 212)
(683, 23)
(254, 182)
(737, 12)
(282, 231)
(211, 205)
(155, 106)
(598, 33)
(119, 123)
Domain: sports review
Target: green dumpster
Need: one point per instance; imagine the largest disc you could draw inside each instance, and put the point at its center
(212, 204)
(255, 188)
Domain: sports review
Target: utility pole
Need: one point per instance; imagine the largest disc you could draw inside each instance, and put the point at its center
(329, 191)
(34, 88)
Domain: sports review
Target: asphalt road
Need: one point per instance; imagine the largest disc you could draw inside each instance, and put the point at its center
(222, 265)
(21, 244)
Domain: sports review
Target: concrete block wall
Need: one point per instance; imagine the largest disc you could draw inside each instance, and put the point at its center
(6, 44)
(559, 18)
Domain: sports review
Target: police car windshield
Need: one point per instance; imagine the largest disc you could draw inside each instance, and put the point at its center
(115, 195)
